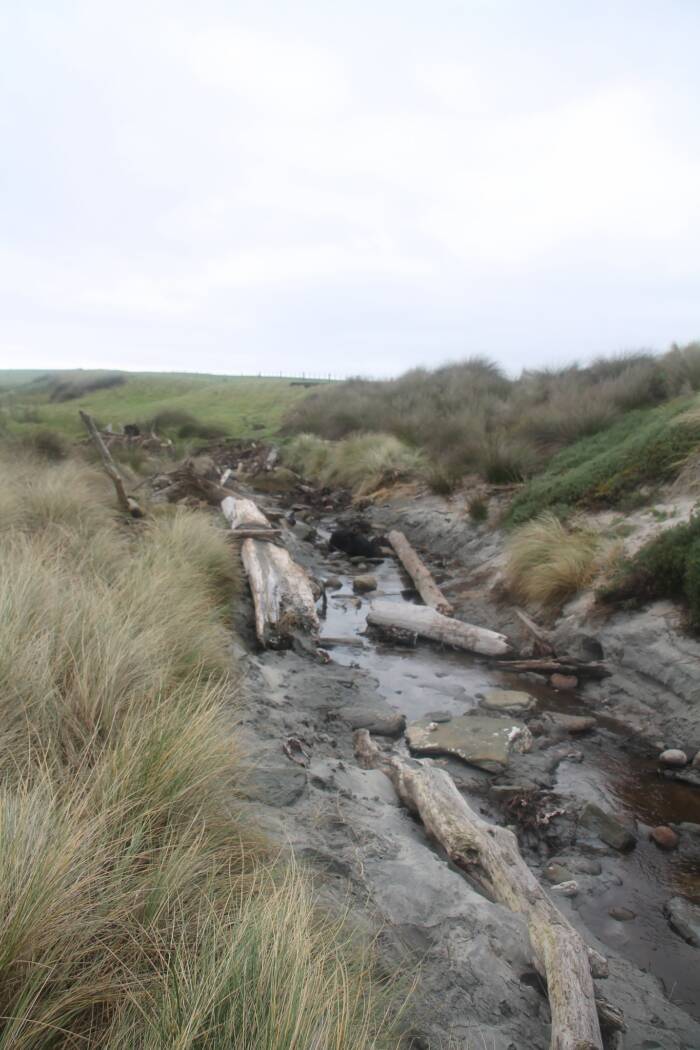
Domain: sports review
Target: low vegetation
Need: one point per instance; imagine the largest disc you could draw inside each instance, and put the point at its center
(138, 908)
(549, 562)
(471, 418)
(362, 462)
(666, 567)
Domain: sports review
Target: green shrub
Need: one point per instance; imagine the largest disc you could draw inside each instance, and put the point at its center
(668, 566)
(547, 562)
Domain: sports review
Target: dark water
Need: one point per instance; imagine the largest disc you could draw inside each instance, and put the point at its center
(614, 773)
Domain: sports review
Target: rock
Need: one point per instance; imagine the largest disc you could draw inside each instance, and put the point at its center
(563, 681)
(689, 846)
(275, 781)
(696, 760)
(557, 873)
(607, 827)
(686, 776)
(673, 757)
(621, 914)
(664, 837)
(438, 716)
(477, 739)
(567, 889)
(363, 584)
(684, 918)
(508, 700)
(573, 723)
(333, 583)
(508, 791)
(377, 721)
(587, 866)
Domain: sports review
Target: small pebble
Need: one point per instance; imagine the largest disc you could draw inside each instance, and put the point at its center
(563, 681)
(664, 837)
(673, 757)
(621, 914)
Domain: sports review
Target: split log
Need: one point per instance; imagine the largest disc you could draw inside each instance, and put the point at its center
(419, 573)
(421, 620)
(547, 667)
(489, 855)
(282, 596)
(128, 505)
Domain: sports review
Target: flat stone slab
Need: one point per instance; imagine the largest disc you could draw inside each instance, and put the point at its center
(573, 723)
(508, 700)
(607, 827)
(378, 721)
(477, 739)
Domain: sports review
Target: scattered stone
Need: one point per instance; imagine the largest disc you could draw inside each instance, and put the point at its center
(686, 776)
(607, 827)
(621, 914)
(664, 837)
(333, 583)
(673, 757)
(587, 866)
(477, 739)
(557, 873)
(508, 791)
(364, 584)
(573, 723)
(567, 889)
(508, 700)
(377, 721)
(696, 761)
(563, 681)
(684, 918)
(438, 716)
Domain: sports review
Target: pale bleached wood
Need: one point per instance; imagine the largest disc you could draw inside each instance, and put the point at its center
(282, 597)
(419, 573)
(428, 623)
(489, 855)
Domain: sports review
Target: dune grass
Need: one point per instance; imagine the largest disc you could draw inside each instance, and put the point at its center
(137, 908)
(548, 562)
(361, 462)
(471, 418)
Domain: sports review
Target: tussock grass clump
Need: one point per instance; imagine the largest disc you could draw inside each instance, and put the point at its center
(549, 562)
(137, 909)
(362, 462)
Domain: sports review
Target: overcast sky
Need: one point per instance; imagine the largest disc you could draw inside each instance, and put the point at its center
(348, 188)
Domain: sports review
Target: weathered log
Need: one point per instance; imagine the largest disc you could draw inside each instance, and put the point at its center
(550, 666)
(419, 573)
(241, 533)
(428, 623)
(282, 596)
(541, 645)
(128, 505)
(489, 855)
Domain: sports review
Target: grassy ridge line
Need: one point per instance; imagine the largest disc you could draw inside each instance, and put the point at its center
(136, 908)
(241, 406)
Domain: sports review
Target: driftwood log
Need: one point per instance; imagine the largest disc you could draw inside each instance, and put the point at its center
(126, 503)
(489, 855)
(402, 618)
(547, 666)
(419, 573)
(284, 603)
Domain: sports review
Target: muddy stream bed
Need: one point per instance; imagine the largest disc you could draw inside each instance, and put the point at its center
(613, 772)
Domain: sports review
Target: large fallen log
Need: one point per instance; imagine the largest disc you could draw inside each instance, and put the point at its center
(489, 855)
(419, 573)
(404, 619)
(126, 503)
(284, 603)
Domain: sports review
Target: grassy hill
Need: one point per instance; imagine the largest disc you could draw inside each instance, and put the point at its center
(239, 406)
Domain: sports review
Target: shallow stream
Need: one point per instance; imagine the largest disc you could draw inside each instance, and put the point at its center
(613, 772)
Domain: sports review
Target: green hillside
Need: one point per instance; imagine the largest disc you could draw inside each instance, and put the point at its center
(241, 406)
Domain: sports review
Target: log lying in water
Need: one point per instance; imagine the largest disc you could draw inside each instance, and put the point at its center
(489, 855)
(419, 573)
(553, 666)
(403, 619)
(284, 603)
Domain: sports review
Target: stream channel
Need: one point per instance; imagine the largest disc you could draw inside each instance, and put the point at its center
(615, 772)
